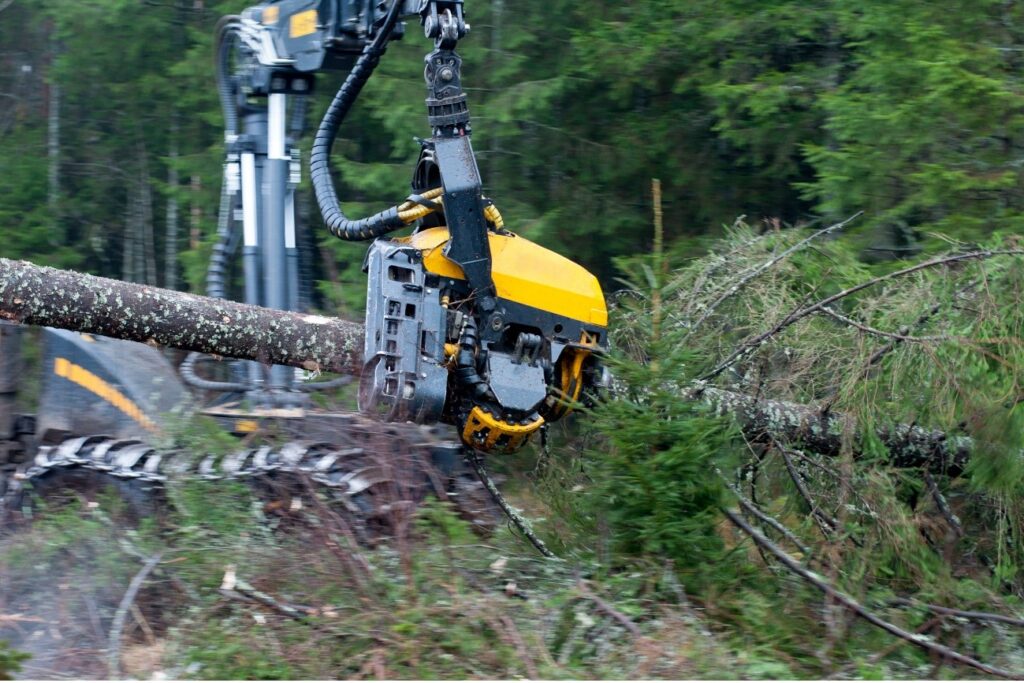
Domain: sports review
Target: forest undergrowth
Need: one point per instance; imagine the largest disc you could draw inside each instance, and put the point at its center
(808, 467)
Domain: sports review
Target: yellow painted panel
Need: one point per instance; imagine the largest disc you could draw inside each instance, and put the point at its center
(270, 15)
(302, 24)
(246, 426)
(525, 273)
(62, 367)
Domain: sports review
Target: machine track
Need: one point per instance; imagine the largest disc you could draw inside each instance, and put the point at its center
(372, 474)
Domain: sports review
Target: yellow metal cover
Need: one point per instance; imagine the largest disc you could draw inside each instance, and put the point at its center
(525, 273)
(302, 24)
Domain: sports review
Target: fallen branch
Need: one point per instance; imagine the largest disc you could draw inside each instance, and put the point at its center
(603, 605)
(234, 587)
(765, 518)
(743, 282)
(913, 638)
(518, 520)
(894, 336)
(801, 313)
(519, 644)
(117, 627)
(963, 614)
(825, 523)
(794, 423)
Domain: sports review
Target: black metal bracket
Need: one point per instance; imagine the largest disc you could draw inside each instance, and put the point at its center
(448, 114)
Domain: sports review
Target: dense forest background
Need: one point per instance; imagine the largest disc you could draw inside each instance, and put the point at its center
(783, 112)
(812, 461)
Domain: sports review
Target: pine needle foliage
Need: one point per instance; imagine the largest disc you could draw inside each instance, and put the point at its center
(938, 347)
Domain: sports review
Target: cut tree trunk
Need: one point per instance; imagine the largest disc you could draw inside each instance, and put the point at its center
(34, 295)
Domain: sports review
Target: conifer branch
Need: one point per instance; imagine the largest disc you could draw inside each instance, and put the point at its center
(847, 601)
(750, 345)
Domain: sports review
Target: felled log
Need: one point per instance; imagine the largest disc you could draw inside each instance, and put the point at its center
(35, 295)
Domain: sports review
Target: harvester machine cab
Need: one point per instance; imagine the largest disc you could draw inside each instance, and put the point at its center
(98, 385)
(88, 385)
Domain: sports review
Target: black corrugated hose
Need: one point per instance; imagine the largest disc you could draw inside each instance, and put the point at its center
(225, 42)
(319, 160)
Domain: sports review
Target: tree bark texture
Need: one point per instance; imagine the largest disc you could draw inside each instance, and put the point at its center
(823, 431)
(35, 295)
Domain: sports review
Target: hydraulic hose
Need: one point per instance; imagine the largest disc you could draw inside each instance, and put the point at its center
(225, 43)
(319, 161)
(215, 284)
(188, 373)
(465, 361)
(216, 288)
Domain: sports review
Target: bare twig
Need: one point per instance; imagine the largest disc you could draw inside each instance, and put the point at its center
(520, 646)
(963, 614)
(117, 627)
(799, 314)
(143, 623)
(520, 523)
(900, 336)
(826, 523)
(913, 638)
(603, 605)
(749, 506)
(743, 282)
(940, 502)
(234, 587)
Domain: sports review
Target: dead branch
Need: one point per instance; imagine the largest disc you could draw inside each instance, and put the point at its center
(801, 313)
(515, 638)
(913, 638)
(825, 523)
(518, 520)
(743, 282)
(603, 605)
(900, 336)
(940, 502)
(765, 518)
(234, 587)
(117, 627)
(963, 614)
